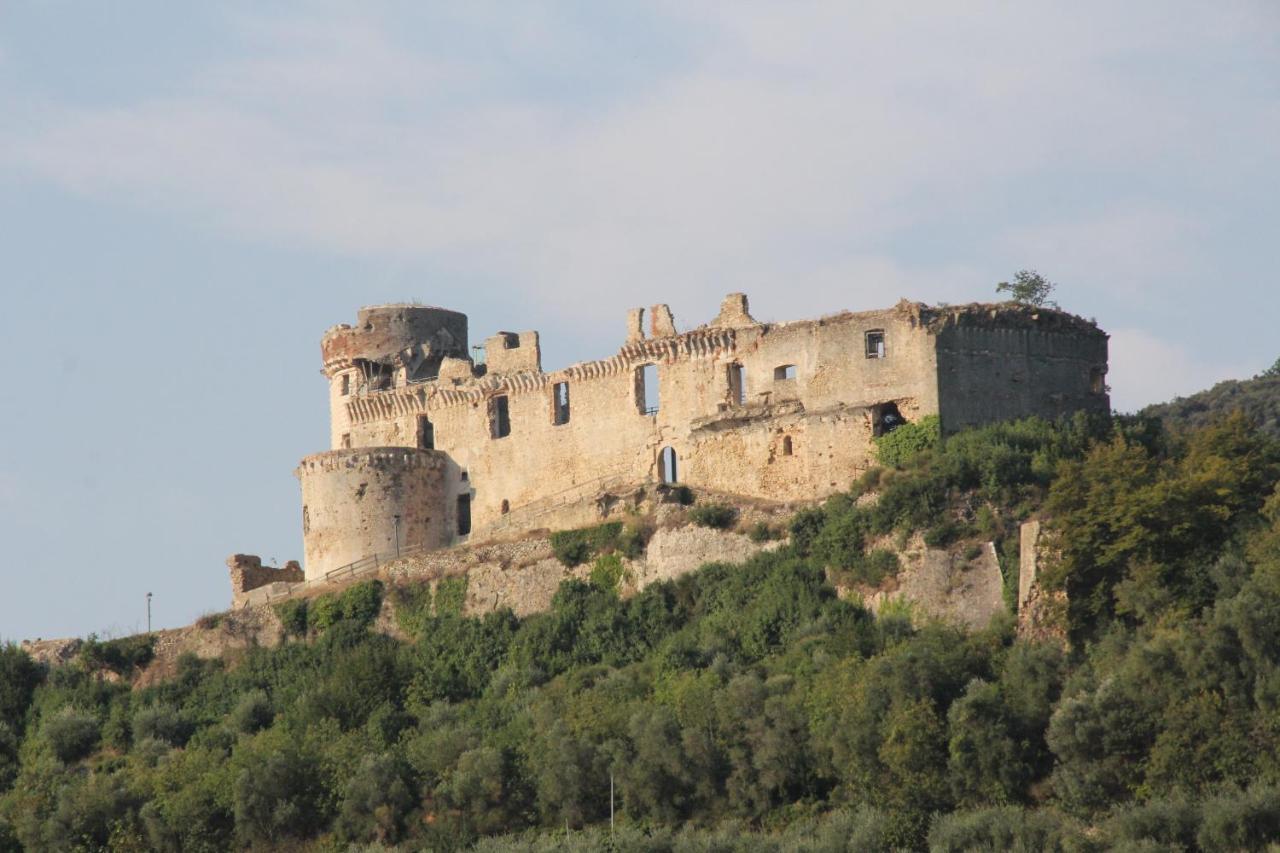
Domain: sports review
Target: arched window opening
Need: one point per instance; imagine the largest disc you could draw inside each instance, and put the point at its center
(784, 372)
(667, 465)
(506, 506)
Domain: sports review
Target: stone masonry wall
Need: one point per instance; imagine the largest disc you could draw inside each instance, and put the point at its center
(248, 574)
(724, 441)
(356, 502)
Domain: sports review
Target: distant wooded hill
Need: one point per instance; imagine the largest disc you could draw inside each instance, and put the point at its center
(1258, 398)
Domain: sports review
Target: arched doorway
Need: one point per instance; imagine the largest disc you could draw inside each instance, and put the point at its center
(667, 465)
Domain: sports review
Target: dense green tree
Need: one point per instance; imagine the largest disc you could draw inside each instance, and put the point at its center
(1029, 288)
(19, 677)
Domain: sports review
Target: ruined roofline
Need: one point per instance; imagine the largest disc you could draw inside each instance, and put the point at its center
(1008, 315)
(706, 341)
(364, 312)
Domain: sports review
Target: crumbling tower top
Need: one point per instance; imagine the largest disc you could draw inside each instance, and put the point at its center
(416, 337)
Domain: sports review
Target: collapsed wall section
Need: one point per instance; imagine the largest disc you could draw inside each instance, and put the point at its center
(389, 345)
(369, 501)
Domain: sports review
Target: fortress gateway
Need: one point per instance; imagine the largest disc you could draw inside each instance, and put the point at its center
(431, 448)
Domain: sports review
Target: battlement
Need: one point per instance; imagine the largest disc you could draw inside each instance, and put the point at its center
(369, 457)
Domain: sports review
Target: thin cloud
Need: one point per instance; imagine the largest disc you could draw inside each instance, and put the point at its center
(800, 142)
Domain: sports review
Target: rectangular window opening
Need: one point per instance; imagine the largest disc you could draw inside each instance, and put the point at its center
(560, 403)
(737, 385)
(346, 384)
(783, 372)
(647, 389)
(464, 515)
(346, 439)
(426, 433)
(875, 344)
(499, 417)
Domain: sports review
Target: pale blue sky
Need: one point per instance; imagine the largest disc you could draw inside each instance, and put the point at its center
(191, 193)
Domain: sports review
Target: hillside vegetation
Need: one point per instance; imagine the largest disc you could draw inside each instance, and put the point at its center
(743, 707)
(1258, 398)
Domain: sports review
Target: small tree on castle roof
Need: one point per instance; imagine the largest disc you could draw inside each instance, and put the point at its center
(1029, 288)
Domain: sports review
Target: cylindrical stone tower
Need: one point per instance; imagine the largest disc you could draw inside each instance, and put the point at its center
(356, 502)
(389, 344)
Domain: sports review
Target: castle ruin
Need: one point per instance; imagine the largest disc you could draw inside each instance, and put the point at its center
(431, 448)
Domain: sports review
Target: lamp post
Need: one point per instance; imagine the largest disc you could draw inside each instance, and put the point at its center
(397, 535)
(148, 613)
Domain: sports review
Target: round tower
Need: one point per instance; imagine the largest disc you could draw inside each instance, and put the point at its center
(371, 500)
(388, 345)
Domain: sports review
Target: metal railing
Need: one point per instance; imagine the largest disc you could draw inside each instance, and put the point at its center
(364, 566)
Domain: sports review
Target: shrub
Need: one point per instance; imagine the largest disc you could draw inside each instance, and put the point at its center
(252, 713)
(683, 495)
(451, 595)
(163, 723)
(804, 527)
(607, 573)
(1241, 820)
(361, 602)
(874, 566)
(632, 542)
(358, 603)
(894, 449)
(376, 801)
(412, 606)
(575, 547)
(715, 516)
(943, 534)
(323, 612)
(1007, 828)
(278, 796)
(761, 532)
(209, 621)
(19, 676)
(120, 656)
(72, 734)
(293, 616)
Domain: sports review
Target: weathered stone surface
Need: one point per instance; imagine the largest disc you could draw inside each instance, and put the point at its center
(944, 584)
(677, 551)
(248, 575)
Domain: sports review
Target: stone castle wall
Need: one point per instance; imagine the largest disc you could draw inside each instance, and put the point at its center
(724, 439)
(1016, 363)
(779, 411)
(356, 502)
